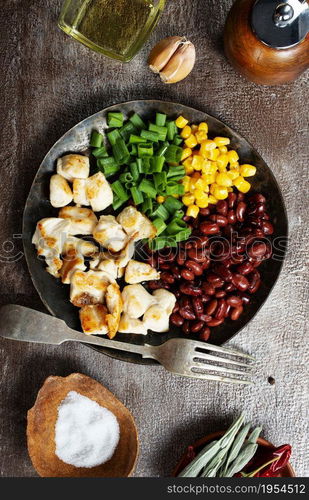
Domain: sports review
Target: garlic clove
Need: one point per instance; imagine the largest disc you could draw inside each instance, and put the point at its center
(163, 51)
(180, 64)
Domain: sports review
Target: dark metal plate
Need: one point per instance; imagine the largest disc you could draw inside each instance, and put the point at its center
(55, 295)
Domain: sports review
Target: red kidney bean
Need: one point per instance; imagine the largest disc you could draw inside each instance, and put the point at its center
(176, 307)
(155, 284)
(223, 272)
(198, 305)
(152, 261)
(177, 294)
(232, 197)
(221, 309)
(219, 219)
(257, 250)
(204, 317)
(229, 287)
(244, 268)
(215, 322)
(205, 264)
(222, 207)
(186, 328)
(204, 334)
(209, 228)
(231, 217)
(267, 227)
(190, 289)
(240, 282)
(245, 298)
(211, 307)
(186, 245)
(176, 272)
(240, 196)
(176, 319)
(196, 326)
(234, 301)
(235, 313)
(258, 209)
(257, 198)
(201, 241)
(197, 255)
(227, 262)
(205, 298)
(165, 266)
(167, 278)
(204, 211)
(227, 312)
(254, 281)
(187, 313)
(185, 301)
(194, 267)
(220, 294)
(238, 258)
(240, 211)
(266, 217)
(187, 275)
(181, 258)
(258, 233)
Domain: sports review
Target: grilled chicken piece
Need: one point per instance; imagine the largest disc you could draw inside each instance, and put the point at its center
(156, 318)
(136, 300)
(79, 192)
(110, 234)
(120, 259)
(73, 166)
(134, 222)
(115, 306)
(99, 193)
(106, 265)
(136, 272)
(60, 191)
(93, 319)
(72, 261)
(80, 246)
(131, 325)
(83, 220)
(48, 239)
(88, 287)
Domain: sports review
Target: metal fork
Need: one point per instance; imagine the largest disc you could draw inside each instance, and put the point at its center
(184, 357)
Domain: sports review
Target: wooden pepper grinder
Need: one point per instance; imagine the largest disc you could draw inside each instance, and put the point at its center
(267, 41)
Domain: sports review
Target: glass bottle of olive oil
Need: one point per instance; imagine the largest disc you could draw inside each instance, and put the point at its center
(116, 28)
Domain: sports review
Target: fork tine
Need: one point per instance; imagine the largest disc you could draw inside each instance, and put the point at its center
(215, 368)
(225, 350)
(209, 357)
(207, 376)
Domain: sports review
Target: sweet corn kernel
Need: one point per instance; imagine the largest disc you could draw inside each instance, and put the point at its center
(222, 161)
(181, 122)
(186, 132)
(220, 193)
(209, 178)
(160, 199)
(207, 146)
(191, 142)
(223, 150)
(212, 188)
(197, 162)
(223, 179)
(214, 154)
(200, 184)
(242, 185)
(233, 173)
(175, 195)
(186, 182)
(192, 184)
(232, 156)
(201, 136)
(234, 164)
(247, 170)
(194, 128)
(203, 126)
(188, 166)
(212, 199)
(186, 152)
(202, 202)
(192, 211)
(230, 190)
(188, 199)
(222, 141)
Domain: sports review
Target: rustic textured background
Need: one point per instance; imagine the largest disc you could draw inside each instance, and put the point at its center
(49, 83)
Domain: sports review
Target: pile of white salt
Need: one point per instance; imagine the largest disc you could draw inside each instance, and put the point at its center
(86, 434)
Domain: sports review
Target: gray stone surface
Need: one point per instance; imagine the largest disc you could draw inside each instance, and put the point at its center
(51, 82)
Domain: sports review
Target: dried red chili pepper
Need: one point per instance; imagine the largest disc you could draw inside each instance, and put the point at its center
(268, 462)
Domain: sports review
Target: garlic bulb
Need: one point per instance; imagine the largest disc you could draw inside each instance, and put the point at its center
(173, 58)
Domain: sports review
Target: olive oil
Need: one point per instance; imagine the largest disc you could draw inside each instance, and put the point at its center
(117, 28)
